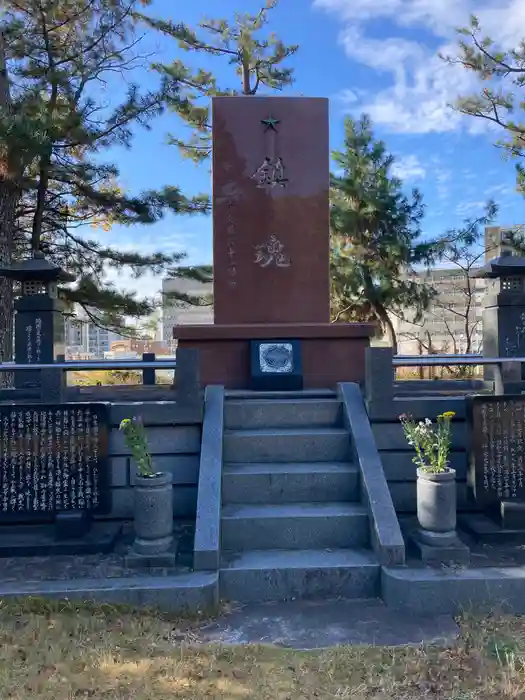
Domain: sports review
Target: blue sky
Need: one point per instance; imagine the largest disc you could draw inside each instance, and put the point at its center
(376, 56)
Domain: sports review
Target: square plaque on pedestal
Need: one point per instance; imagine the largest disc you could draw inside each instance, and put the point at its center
(276, 365)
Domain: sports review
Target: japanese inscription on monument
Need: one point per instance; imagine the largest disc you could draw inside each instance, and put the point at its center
(271, 172)
(497, 448)
(53, 459)
(271, 252)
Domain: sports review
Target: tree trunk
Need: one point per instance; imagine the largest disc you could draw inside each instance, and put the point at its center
(8, 201)
(9, 197)
(388, 326)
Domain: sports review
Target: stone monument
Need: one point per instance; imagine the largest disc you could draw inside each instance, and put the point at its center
(504, 309)
(39, 323)
(496, 422)
(271, 248)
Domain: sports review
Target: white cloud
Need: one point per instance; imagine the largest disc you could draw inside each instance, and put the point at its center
(147, 285)
(423, 86)
(468, 209)
(408, 168)
(443, 178)
(500, 191)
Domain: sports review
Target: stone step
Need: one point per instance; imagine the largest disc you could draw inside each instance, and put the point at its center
(293, 526)
(274, 575)
(290, 482)
(287, 445)
(304, 394)
(282, 413)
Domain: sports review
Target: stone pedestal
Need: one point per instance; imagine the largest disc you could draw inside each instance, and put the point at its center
(161, 560)
(331, 353)
(452, 552)
(447, 551)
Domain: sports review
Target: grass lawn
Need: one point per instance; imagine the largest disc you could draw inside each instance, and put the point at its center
(64, 653)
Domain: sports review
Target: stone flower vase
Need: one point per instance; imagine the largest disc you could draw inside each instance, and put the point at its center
(153, 513)
(436, 506)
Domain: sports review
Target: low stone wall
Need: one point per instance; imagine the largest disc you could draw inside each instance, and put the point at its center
(387, 400)
(174, 436)
(396, 455)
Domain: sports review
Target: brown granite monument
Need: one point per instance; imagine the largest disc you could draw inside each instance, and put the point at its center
(271, 244)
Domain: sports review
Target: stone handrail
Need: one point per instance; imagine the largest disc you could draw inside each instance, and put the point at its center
(387, 539)
(207, 526)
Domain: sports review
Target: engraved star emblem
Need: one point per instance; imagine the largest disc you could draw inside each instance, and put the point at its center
(270, 123)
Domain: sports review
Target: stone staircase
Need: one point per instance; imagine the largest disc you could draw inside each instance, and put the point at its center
(292, 525)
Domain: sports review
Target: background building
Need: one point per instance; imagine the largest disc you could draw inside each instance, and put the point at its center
(453, 322)
(84, 339)
(173, 314)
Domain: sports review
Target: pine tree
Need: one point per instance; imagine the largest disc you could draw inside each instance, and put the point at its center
(502, 98)
(256, 56)
(376, 235)
(60, 55)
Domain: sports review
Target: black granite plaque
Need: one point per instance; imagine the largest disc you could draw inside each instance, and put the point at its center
(496, 449)
(53, 459)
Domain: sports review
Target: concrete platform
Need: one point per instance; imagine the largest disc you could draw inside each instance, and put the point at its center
(306, 625)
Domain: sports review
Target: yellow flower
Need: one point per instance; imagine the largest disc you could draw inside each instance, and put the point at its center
(448, 414)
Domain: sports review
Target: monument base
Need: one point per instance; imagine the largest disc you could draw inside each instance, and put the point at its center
(41, 541)
(487, 530)
(451, 553)
(331, 352)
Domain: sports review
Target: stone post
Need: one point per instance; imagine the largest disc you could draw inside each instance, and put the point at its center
(39, 322)
(504, 318)
(148, 375)
(379, 377)
(187, 380)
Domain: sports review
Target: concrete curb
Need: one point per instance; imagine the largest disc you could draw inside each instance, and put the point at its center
(387, 539)
(193, 592)
(206, 555)
(453, 591)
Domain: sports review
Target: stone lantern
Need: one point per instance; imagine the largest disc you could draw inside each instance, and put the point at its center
(39, 322)
(504, 308)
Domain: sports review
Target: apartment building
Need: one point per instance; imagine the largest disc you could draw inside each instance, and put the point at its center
(85, 338)
(453, 322)
(174, 314)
